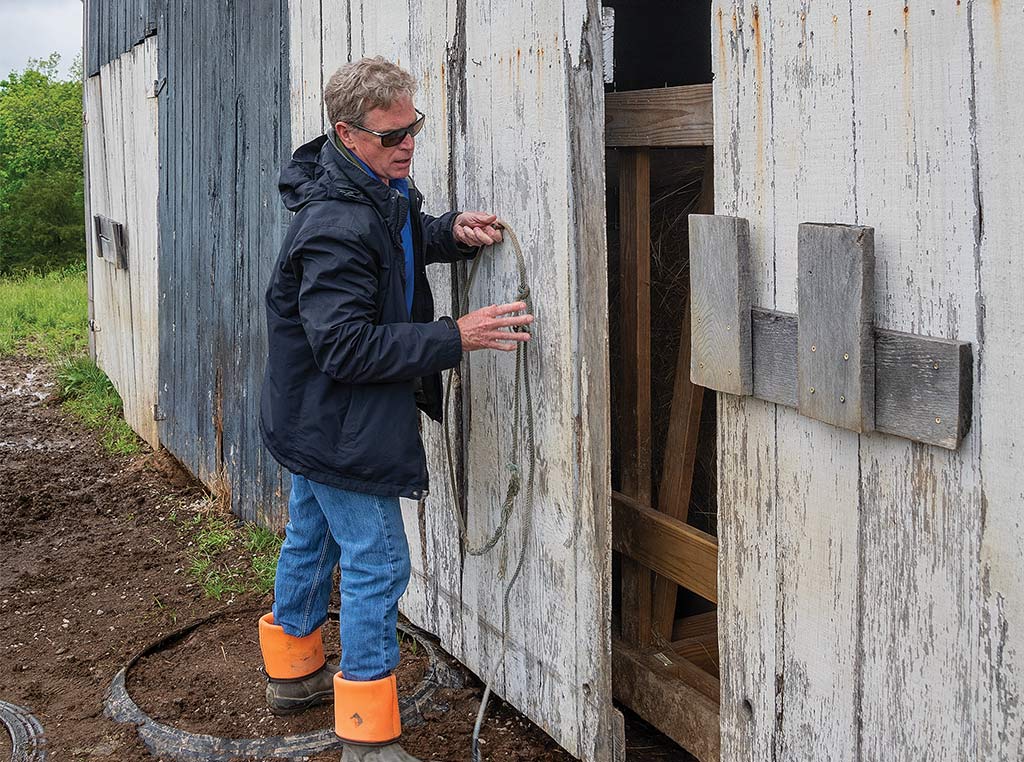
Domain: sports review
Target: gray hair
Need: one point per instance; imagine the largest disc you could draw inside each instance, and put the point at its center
(361, 86)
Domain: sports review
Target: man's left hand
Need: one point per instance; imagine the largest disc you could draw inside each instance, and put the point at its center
(476, 229)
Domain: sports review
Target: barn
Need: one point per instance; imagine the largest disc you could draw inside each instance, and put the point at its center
(777, 510)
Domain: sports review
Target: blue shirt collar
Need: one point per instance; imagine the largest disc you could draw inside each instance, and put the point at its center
(401, 184)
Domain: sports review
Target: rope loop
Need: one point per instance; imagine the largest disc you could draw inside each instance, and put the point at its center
(523, 438)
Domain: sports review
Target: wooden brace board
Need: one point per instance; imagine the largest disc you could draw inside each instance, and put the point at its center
(720, 299)
(835, 351)
(672, 548)
(923, 384)
(676, 117)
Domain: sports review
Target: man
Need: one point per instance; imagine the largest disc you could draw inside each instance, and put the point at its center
(354, 350)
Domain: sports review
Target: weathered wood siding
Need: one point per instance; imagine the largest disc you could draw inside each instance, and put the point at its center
(121, 139)
(872, 592)
(113, 27)
(514, 125)
(224, 132)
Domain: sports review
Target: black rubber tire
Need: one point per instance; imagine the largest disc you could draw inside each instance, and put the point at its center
(168, 742)
(28, 742)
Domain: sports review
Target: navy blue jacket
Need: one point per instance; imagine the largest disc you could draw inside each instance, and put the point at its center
(347, 364)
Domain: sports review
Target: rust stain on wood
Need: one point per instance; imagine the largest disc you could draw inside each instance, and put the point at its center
(722, 57)
(759, 95)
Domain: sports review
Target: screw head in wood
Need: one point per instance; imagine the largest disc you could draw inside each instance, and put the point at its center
(842, 398)
(814, 348)
(938, 420)
(935, 365)
(846, 355)
(812, 390)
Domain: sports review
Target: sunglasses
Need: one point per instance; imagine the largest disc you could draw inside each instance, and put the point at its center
(392, 138)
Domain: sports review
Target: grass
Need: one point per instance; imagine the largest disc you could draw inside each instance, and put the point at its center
(265, 547)
(403, 639)
(214, 559)
(46, 316)
(87, 394)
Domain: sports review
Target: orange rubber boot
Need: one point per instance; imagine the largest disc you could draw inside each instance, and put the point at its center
(366, 711)
(298, 675)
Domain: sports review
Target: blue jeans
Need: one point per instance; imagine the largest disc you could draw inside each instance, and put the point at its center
(364, 532)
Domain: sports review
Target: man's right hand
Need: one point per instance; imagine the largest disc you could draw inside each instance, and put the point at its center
(486, 328)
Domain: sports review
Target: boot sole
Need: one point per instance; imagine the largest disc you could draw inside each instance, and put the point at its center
(300, 705)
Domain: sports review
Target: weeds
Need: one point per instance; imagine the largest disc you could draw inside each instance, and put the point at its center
(264, 546)
(87, 394)
(403, 638)
(164, 609)
(214, 560)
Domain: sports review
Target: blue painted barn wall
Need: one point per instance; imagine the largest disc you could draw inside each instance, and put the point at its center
(112, 27)
(224, 131)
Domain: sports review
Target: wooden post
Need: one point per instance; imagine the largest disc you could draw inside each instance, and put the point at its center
(681, 442)
(677, 471)
(635, 399)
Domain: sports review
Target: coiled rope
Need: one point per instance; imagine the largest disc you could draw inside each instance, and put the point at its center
(522, 424)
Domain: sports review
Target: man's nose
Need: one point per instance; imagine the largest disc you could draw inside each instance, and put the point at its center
(408, 142)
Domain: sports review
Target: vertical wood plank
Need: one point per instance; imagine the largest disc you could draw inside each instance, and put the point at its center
(601, 726)
(635, 381)
(922, 507)
(88, 223)
(836, 335)
(720, 294)
(999, 119)
(432, 532)
(306, 74)
(816, 465)
(92, 95)
(148, 302)
(749, 642)
(635, 318)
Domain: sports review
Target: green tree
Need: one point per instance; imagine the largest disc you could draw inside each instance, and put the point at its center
(41, 219)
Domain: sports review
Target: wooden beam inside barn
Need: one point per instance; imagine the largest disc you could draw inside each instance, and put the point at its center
(663, 117)
(684, 426)
(669, 546)
(672, 694)
(635, 382)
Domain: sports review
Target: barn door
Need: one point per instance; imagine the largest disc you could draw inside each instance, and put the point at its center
(514, 125)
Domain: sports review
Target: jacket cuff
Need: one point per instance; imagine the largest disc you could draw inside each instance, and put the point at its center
(452, 337)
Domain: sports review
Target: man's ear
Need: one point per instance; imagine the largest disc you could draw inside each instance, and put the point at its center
(344, 133)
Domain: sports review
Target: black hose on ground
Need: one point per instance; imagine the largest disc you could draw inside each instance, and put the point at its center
(28, 742)
(168, 742)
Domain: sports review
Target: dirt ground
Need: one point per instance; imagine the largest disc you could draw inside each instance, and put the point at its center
(92, 569)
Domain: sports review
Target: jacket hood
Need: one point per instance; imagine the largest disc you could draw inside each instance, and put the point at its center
(318, 171)
(304, 178)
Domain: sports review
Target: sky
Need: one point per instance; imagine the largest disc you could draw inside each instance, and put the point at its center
(36, 28)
